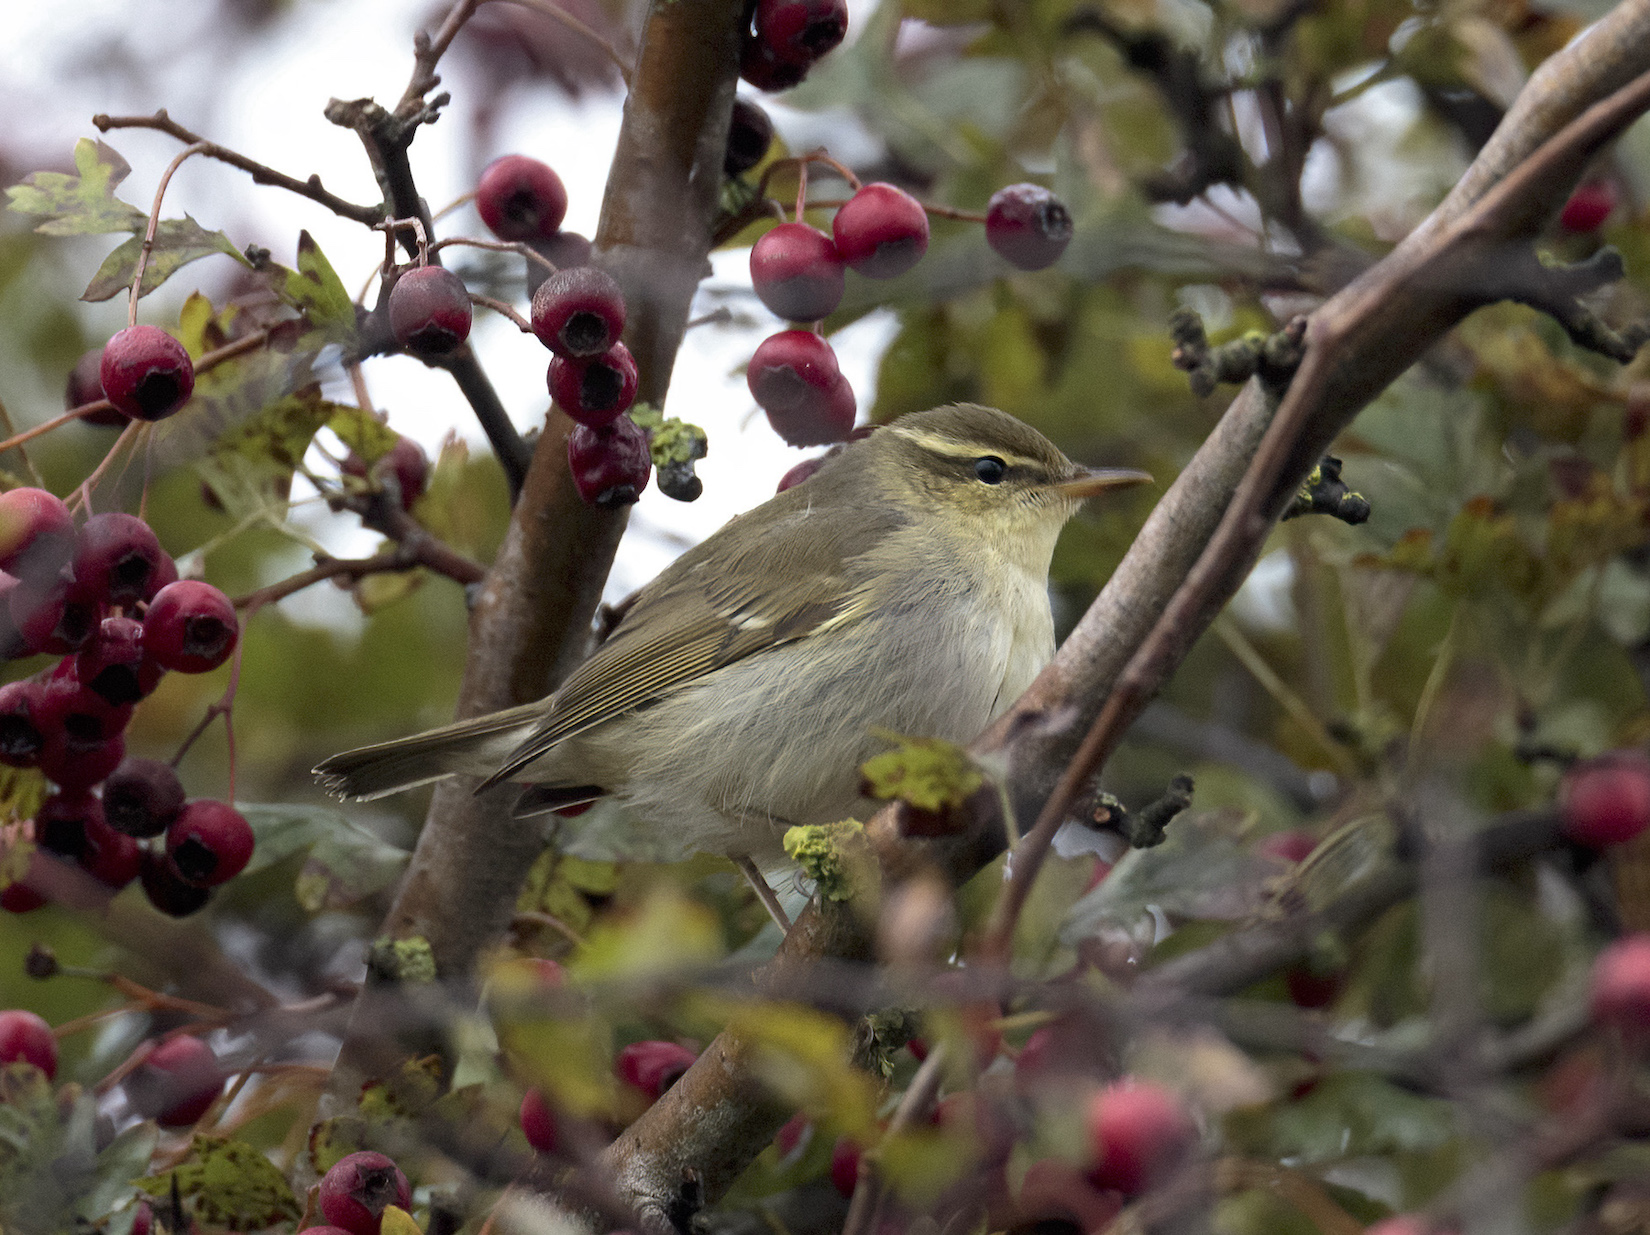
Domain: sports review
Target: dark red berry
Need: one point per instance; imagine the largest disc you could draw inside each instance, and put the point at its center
(1588, 207)
(71, 764)
(143, 1219)
(84, 716)
(799, 473)
(750, 133)
(117, 556)
(64, 822)
(37, 535)
(110, 661)
(794, 378)
(1621, 986)
(797, 272)
(597, 391)
(845, 1156)
(190, 627)
(653, 1067)
(23, 718)
(538, 1122)
(410, 466)
(1606, 801)
(56, 616)
(520, 198)
(176, 1082)
(26, 1038)
(85, 385)
(1028, 226)
(430, 311)
(167, 890)
(1139, 1132)
(146, 373)
(110, 857)
(610, 465)
(141, 797)
(355, 1192)
(18, 897)
(881, 232)
(801, 31)
(209, 842)
(578, 312)
(766, 71)
(1309, 989)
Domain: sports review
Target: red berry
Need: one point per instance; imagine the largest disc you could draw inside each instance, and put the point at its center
(23, 717)
(1621, 986)
(793, 376)
(578, 312)
(110, 857)
(766, 71)
(354, 1193)
(56, 616)
(1028, 226)
(1606, 801)
(799, 473)
(82, 714)
(550, 973)
(794, 1135)
(63, 821)
(26, 1038)
(1588, 207)
(117, 556)
(19, 897)
(72, 764)
(190, 627)
(141, 797)
(85, 385)
(110, 663)
(538, 1122)
(37, 535)
(430, 311)
(176, 1082)
(801, 31)
(209, 843)
(410, 466)
(520, 198)
(146, 373)
(845, 1166)
(1291, 846)
(797, 272)
(882, 231)
(167, 890)
(610, 465)
(1055, 1192)
(653, 1067)
(750, 133)
(597, 391)
(1139, 1132)
(143, 1219)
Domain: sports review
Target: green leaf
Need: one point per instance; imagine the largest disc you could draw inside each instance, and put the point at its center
(667, 934)
(250, 468)
(177, 243)
(228, 1184)
(1348, 1115)
(315, 291)
(363, 433)
(80, 205)
(48, 1149)
(345, 861)
(806, 1056)
(122, 1161)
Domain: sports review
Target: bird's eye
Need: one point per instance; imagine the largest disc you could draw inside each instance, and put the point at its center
(990, 469)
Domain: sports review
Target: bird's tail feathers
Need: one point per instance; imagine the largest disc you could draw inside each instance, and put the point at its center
(475, 746)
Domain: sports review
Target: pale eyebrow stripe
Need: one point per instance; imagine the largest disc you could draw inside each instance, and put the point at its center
(953, 449)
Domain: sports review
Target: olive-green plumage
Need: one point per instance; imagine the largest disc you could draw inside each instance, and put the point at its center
(903, 586)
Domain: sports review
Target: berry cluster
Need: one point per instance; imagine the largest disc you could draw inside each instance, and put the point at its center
(105, 598)
(787, 37)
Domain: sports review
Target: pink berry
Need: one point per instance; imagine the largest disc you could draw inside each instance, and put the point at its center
(190, 627)
(117, 555)
(750, 133)
(882, 231)
(37, 535)
(430, 311)
(538, 1122)
(579, 312)
(1139, 1132)
(85, 385)
(1292, 846)
(520, 198)
(167, 890)
(209, 842)
(143, 1219)
(1606, 801)
(594, 391)
(410, 466)
(1621, 986)
(610, 465)
(26, 1038)
(176, 1082)
(141, 797)
(1028, 226)
(1588, 207)
(797, 272)
(653, 1067)
(355, 1192)
(801, 31)
(146, 373)
(845, 1158)
(762, 68)
(793, 376)
(794, 1135)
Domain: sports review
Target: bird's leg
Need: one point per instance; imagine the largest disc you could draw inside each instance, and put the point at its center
(764, 893)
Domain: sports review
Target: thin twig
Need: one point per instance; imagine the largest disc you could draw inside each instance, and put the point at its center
(504, 310)
(154, 224)
(500, 246)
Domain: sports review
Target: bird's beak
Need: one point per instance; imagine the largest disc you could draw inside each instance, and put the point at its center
(1094, 480)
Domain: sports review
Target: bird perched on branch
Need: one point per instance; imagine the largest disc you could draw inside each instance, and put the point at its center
(903, 586)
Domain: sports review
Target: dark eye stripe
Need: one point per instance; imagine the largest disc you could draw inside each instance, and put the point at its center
(990, 469)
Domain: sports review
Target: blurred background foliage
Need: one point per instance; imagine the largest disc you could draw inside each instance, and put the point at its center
(1243, 158)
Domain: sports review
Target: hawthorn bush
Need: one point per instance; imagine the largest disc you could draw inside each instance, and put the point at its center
(1304, 892)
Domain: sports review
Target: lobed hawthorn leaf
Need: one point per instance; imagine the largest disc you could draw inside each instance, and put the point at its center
(228, 1184)
(80, 205)
(249, 468)
(48, 1150)
(344, 861)
(315, 290)
(177, 243)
